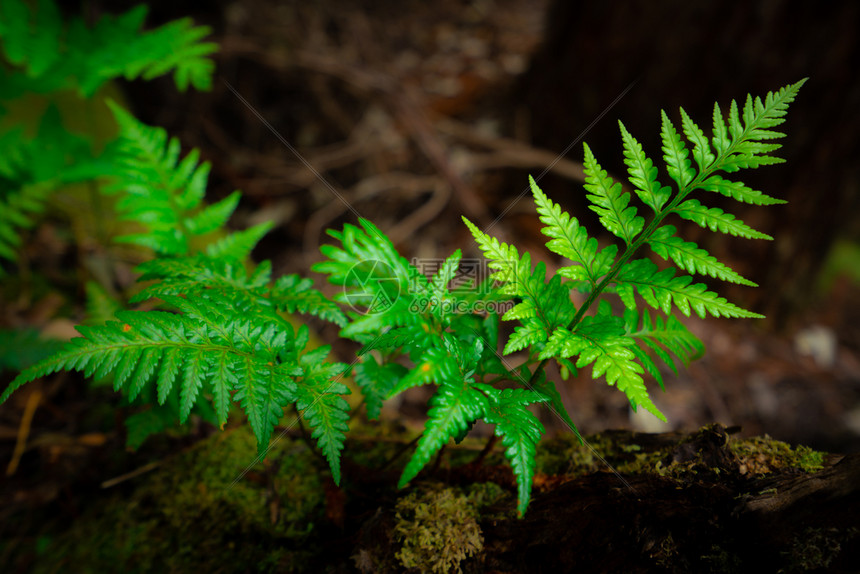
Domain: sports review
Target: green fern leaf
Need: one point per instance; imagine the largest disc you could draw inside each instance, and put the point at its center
(376, 382)
(716, 219)
(701, 148)
(160, 192)
(741, 145)
(295, 294)
(435, 366)
(503, 258)
(239, 244)
(453, 407)
(213, 216)
(319, 398)
(643, 173)
(660, 289)
(520, 432)
(601, 341)
(19, 209)
(661, 337)
(675, 152)
(738, 191)
(571, 240)
(530, 333)
(690, 257)
(610, 202)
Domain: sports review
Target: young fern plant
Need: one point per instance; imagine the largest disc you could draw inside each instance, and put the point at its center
(398, 313)
(221, 331)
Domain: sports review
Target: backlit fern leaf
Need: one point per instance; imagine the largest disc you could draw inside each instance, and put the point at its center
(660, 289)
(661, 337)
(716, 219)
(609, 201)
(643, 173)
(691, 257)
(571, 240)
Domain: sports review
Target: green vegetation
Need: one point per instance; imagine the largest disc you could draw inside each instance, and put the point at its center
(215, 329)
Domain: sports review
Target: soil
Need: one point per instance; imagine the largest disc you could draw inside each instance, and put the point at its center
(416, 114)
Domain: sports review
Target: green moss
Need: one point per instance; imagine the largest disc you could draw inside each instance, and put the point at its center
(761, 455)
(211, 509)
(438, 529)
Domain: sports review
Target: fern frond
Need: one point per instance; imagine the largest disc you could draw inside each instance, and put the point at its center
(741, 144)
(370, 270)
(675, 152)
(661, 337)
(160, 192)
(435, 366)
(701, 148)
(738, 191)
(529, 333)
(520, 432)
(660, 289)
(238, 245)
(376, 382)
(453, 407)
(643, 173)
(293, 294)
(571, 240)
(18, 211)
(609, 201)
(503, 258)
(716, 219)
(601, 340)
(201, 350)
(319, 398)
(691, 257)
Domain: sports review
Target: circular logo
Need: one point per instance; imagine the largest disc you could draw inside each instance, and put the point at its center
(371, 287)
